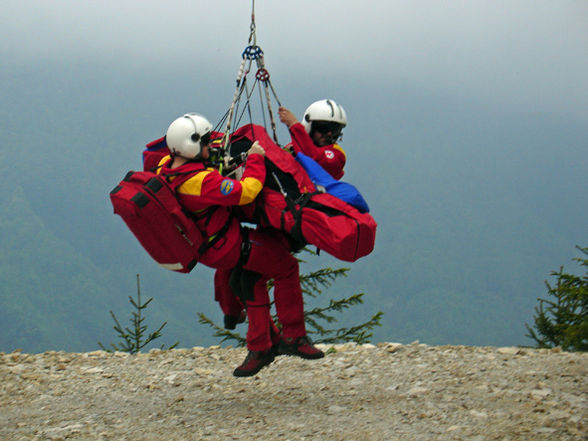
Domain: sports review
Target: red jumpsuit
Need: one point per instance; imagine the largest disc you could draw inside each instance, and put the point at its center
(210, 196)
(331, 157)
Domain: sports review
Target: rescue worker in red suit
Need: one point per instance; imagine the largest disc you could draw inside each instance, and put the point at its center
(210, 196)
(317, 135)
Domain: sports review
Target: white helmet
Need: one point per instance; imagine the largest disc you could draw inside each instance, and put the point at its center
(324, 111)
(188, 134)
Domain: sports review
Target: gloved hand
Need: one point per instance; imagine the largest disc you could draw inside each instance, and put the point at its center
(256, 148)
(287, 117)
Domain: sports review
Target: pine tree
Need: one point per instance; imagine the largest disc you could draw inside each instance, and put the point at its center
(317, 319)
(562, 320)
(134, 339)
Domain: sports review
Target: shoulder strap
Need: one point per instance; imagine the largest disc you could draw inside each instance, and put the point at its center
(180, 178)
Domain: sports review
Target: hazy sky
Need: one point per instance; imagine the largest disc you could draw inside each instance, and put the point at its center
(529, 53)
(467, 120)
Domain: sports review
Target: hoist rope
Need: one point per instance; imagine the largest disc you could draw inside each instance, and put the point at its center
(252, 27)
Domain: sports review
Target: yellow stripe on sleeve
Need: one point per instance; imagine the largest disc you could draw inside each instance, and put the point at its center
(193, 186)
(250, 188)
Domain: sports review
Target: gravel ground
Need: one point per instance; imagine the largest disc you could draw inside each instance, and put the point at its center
(384, 392)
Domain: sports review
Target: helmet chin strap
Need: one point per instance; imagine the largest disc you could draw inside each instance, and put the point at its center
(197, 158)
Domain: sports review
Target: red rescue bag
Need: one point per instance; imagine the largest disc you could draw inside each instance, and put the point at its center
(148, 205)
(324, 221)
(291, 203)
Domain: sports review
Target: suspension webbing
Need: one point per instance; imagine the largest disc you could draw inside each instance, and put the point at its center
(251, 53)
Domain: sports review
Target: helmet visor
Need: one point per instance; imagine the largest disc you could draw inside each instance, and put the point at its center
(326, 127)
(204, 139)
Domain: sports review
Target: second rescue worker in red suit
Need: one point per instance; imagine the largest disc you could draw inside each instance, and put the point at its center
(210, 196)
(317, 135)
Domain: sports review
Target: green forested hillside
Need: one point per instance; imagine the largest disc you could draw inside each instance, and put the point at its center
(475, 205)
(48, 288)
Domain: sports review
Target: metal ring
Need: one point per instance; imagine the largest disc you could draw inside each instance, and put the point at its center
(262, 74)
(252, 52)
